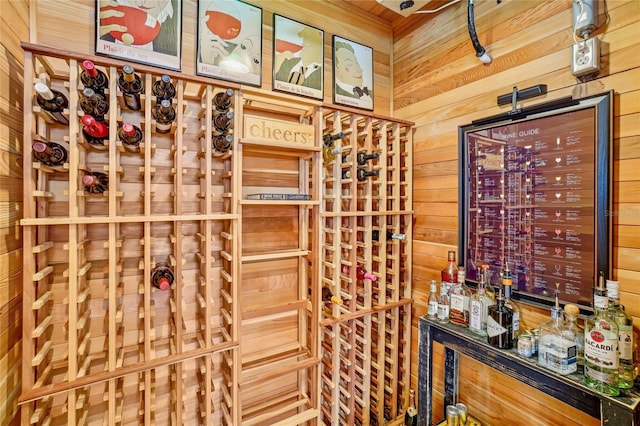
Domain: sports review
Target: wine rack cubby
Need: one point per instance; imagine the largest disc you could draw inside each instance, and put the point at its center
(253, 230)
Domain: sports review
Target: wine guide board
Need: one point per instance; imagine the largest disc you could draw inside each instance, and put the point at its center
(531, 202)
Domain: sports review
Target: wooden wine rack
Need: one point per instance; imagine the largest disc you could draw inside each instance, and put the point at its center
(242, 337)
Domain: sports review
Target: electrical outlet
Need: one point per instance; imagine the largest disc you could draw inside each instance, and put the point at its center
(585, 57)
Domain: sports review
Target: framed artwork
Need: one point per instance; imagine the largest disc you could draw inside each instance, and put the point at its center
(352, 73)
(148, 32)
(297, 58)
(230, 41)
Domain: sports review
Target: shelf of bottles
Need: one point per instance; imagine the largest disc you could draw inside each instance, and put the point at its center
(364, 263)
(128, 229)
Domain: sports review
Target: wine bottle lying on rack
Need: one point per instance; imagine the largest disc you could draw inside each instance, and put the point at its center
(95, 182)
(361, 273)
(131, 136)
(375, 236)
(52, 101)
(93, 78)
(363, 174)
(222, 121)
(164, 114)
(49, 153)
(95, 132)
(222, 143)
(131, 86)
(164, 88)
(328, 296)
(222, 100)
(363, 157)
(162, 276)
(94, 103)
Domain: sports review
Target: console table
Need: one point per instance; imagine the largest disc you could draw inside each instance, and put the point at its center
(623, 410)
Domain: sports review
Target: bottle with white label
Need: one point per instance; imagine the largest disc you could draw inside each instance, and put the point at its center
(459, 296)
(500, 324)
(557, 348)
(625, 336)
(479, 306)
(432, 303)
(443, 305)
(601, 345)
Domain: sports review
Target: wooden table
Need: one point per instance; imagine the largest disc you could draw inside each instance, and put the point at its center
(623, 410)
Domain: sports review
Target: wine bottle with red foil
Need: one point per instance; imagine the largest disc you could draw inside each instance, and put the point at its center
(95, 182)
(49, 153)
(95, 132)
(222, 121)
(363, 157)
(222, 100)
(131, 86)
(222, 143)
(328, 296)
(164, 114)
(131, 136)
(162, 276)
(363, 174)
(164, 88)
(361, 273)
(93, 78)
(52, 101)
(94, 103)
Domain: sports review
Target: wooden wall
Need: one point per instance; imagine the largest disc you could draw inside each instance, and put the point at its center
(14, 18)
(440, 84)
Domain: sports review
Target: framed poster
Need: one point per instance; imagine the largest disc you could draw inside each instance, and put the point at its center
(297, 58)
(230, 41)
(147, 32)
(352, 73)
(535, 192)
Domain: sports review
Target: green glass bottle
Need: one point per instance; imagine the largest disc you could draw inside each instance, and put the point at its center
(625, 335)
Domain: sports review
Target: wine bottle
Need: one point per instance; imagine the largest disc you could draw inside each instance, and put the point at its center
(507, 284)
(94, 103)
(329, 150)
(164, 88)
(49, 153)
(164, 114)
(327, 296)
(363, 174)
(346, 174)
(162, 276)
(329, 139)
(375, 235)
(131, 136)
(92, 78)
(363, 157)
(95, 182)
(222, 121)
(361, 273)
(94, 131)
(52, 101)
(222, 100)
(131, 86)
(222, 143)
(411, 415)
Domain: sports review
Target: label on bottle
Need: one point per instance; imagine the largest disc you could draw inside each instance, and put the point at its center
(163, 127)
(601, 348)
(443, 311)
(457, 302)
(432, 309)
(494, 328)
(516, 323)
(600, 303)
(625, 343)
(475, 315)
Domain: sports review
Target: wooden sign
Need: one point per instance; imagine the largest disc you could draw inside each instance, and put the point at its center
(278, 132)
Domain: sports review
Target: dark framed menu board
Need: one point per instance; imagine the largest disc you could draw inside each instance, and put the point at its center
(535, 193)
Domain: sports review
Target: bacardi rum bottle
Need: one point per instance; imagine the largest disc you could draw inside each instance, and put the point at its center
(625, 336)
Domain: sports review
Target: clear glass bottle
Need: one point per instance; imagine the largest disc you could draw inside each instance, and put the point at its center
(499, 324)
(432, 301)
(571, 313)
(507, 285)
(601, 345)
(557, 348)
(479, 306)
(625, 336)
(443, 305)
(449, 275)
(459, 297)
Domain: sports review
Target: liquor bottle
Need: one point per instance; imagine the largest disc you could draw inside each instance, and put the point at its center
(499, 324)
(164, 88)
(131, 136)
(443, 305)
(449, 275)
(459, 297)
(571, 313)
(479, 306)
(601, 345)
(411, 415)
(625, 336)
(222, 121)
(131, 86)
(222, 100)
(557, 348)
(49, 153)
(363, 157)
(52, 101)
(95, 182)
(507, 285)
(92, 78)
(162, 276)
(329, 150)
(361, 273)
(432, 301)
(363, 174)
(93, 103)
(222, 143)
(94, 131)
(164, 114)
(328, 296)
(375, 236)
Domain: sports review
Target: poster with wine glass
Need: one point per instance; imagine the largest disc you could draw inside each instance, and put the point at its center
(230, 41)
(147, 32)
(352, 73)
